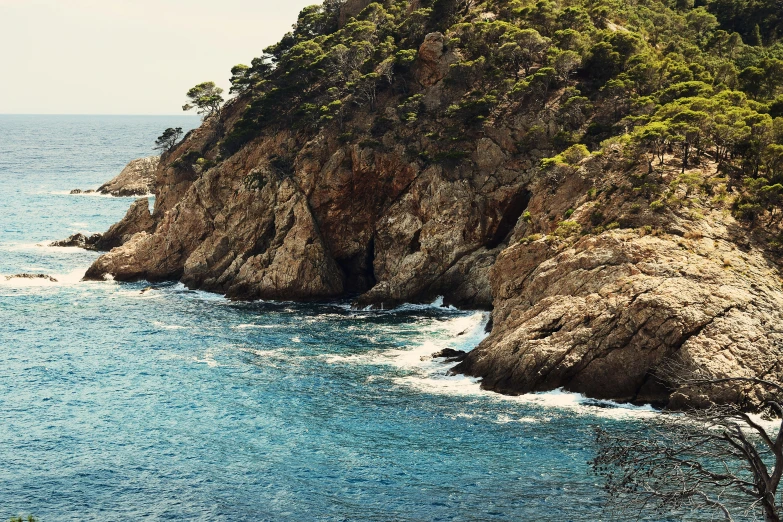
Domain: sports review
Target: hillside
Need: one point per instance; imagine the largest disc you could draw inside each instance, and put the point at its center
(605, 176)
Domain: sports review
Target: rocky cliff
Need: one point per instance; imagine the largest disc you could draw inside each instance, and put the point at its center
(599, 272)
(602, 313)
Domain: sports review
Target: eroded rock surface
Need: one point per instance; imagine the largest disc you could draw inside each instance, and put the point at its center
(434, 60)
(346, 218)
(137, 219)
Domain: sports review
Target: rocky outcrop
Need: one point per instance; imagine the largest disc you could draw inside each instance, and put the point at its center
(350, 9)
(136, 179)
(266, 244)
(434, 60)
(78, 240)
(343, 219)
(137, 219)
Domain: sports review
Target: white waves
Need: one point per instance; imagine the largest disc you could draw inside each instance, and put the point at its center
(426, 375)
(96, 194)
(42, 248)
(67, 279)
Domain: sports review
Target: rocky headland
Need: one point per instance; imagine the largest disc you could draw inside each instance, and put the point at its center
(600, 269)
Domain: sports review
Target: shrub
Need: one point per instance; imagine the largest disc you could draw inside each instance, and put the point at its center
(570, 157)
(658, 205)
(567, 229)
(474, 109)
(530, 239)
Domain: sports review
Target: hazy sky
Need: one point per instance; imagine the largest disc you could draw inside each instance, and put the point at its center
(127, 56)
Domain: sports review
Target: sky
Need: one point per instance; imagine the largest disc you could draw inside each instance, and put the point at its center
(127, 56)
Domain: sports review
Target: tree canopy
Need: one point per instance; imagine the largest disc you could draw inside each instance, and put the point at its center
(169, 139)
(206, 98)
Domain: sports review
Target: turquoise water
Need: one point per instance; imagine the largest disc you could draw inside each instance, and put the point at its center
(180, 405)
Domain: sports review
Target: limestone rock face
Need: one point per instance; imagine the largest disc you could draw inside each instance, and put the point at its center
(136, 179)
(346, 219)
(245, 241)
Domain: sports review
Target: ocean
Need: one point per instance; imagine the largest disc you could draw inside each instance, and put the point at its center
(172, 404)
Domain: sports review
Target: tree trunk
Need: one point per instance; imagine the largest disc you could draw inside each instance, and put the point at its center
(770, 509)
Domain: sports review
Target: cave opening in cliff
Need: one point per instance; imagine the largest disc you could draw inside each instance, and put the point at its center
(514, 210)
(358, 271)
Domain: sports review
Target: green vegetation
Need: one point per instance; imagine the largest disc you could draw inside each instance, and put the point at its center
(206, 98)
(671, 84)
(29, 518)
(569, 157)
(169, 139)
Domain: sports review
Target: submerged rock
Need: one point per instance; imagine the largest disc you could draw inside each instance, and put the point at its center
(31, 276)
(450, 354)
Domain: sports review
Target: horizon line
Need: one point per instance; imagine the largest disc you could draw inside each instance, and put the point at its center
(88, 114)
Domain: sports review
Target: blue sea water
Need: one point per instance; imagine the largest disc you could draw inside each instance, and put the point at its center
(179, 405)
